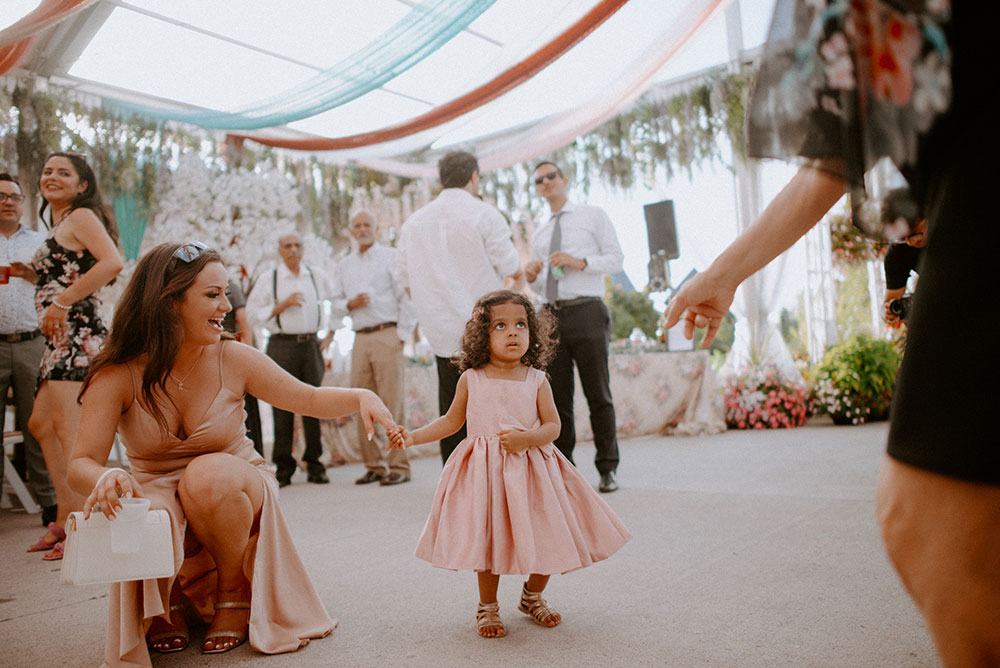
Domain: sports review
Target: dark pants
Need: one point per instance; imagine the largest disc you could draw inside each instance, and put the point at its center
(302, 359)
(584, 335)
(254, 431)
(448, 376)
(19, 369)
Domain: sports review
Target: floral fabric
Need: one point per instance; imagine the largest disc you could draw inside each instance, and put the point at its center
(67, 357)
(655, 393)
(856, 82)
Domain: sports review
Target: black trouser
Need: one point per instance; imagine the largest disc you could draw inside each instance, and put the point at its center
(448, 376)
(301, 357)
(19, 369)
(584, 336)
(254, 431)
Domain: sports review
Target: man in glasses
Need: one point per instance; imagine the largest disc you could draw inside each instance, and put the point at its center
(570, 255)
(288, 302)
(452, 252)
(21, 343)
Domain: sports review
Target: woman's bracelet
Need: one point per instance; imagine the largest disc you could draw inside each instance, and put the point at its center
(107, 473)
(66, 308)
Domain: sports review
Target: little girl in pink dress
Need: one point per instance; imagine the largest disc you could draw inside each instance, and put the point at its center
(508, 501)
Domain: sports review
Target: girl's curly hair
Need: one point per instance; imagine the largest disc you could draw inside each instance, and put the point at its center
(542, 334)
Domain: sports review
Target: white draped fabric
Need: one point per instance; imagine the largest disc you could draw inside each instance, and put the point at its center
(558, 130)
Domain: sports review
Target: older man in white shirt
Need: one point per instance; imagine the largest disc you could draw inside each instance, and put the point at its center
(288, 302)
(570, 256)
(366, 289)
(452, 252)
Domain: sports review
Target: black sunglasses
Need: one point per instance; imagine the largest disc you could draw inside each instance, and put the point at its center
(551, 176)
(189, 252)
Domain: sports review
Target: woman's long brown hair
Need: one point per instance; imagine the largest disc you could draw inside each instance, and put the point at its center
(146, 321)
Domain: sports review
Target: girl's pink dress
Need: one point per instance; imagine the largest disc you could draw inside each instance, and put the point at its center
(503, 513)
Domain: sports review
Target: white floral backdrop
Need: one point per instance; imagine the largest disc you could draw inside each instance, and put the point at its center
(239, 212)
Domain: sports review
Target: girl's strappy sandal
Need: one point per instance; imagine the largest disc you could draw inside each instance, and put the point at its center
(533, 604)
(488, 616)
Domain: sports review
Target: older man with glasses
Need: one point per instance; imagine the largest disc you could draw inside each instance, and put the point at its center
(21, 342)
(288, 302)
(570, 255)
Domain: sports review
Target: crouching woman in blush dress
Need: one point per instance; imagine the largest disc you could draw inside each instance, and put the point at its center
(172, 386)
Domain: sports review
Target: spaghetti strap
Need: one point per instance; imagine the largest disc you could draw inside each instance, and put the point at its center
(222, 380)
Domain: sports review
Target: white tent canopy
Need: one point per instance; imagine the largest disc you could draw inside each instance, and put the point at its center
(225, 55)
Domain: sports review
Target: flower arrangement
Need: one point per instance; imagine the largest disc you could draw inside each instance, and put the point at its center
(853, 382)
(849, 245)
(761, 399)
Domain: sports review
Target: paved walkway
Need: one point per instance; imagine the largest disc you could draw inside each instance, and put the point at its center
(751, 549)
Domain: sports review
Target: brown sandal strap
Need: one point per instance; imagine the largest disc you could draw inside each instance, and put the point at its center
(534, 605)
(488, 615)
(232, 605)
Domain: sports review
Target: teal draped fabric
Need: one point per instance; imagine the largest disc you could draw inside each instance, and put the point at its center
(132, 218)
(422, 31)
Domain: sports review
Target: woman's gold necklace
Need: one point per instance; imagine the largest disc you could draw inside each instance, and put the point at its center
(180, 383)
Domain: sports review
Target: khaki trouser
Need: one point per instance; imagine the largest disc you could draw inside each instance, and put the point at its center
(943, 536)
(377, 365)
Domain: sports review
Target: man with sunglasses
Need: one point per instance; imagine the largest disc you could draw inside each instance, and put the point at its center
(570, 255)
(288, 302)
(21, 343)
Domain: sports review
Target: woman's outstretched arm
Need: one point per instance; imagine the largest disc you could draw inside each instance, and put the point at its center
(259, 375)
(705, 299)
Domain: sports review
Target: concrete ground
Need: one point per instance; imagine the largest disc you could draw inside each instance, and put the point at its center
(750, 549)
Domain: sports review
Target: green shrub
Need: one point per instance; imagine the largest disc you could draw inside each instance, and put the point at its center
(854, 381)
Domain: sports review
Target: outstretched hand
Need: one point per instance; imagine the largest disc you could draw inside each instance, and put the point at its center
(399, 438)
(116, 483)
(701, 302)
(372, 410)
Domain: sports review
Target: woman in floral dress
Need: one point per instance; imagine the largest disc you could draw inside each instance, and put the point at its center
(78, 258)
(871, 95)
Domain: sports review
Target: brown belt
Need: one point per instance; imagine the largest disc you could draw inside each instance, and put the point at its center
(375, 328)
(17, 337)
(297, 338)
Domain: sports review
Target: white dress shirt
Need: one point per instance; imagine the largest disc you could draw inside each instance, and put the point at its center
(304, 319)
(451, 253)
(587, 233)
(374, 273)
(17, 297)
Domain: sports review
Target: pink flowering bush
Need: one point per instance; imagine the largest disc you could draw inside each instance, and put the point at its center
(762, 399)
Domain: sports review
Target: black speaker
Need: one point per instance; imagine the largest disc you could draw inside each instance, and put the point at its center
(660, 229)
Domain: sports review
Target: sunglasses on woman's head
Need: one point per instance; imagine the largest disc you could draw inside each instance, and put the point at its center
(189, 252)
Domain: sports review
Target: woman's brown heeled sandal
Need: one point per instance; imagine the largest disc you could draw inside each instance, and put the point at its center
(171, 636)
(534, 605)
(239, 636)
(488, 617)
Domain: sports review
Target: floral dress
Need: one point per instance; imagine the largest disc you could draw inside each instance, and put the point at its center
(860, 82)
(68, 356)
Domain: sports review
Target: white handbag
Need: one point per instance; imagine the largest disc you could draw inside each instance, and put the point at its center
(88, 558)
